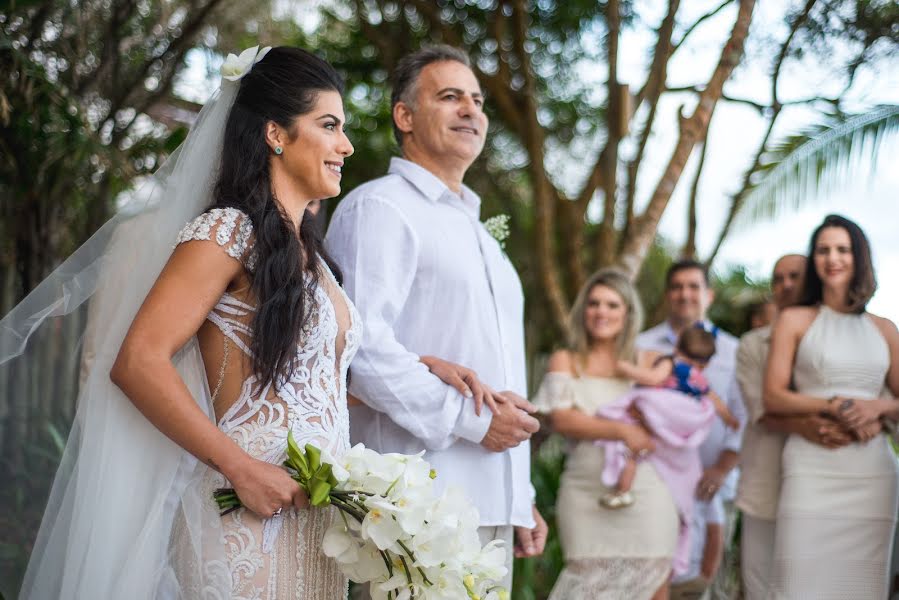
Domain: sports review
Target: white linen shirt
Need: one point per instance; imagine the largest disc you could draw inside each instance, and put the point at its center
(760, 470)
(428, 279)
(721, 373)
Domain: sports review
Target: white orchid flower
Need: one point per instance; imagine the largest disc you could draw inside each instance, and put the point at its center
(379, 526)
(368, 567)
(491, 562)
(447, 586)
(434, 546)
(235, 67)
(339, 544)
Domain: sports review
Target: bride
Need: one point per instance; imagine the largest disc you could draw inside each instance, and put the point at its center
(224, 335)
(245, 335)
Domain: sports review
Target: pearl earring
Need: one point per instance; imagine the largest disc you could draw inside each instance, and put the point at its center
(279, 150)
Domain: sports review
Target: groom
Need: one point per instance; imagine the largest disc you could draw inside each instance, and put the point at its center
(428, 279)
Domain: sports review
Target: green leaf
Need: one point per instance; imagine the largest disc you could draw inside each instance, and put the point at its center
(324, 473)
(319, 492)
(314, 457)
(296, 459)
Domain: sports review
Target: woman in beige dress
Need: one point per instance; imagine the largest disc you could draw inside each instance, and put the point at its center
(837, 508)
(609, 554)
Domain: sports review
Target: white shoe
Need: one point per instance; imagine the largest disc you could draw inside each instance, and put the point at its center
(615, 500)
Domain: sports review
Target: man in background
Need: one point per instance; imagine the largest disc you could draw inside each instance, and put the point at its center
(688, 297)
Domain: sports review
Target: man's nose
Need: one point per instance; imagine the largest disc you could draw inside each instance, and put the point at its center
(467, 107)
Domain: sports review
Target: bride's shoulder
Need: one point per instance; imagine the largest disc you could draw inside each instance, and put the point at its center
(228, 227)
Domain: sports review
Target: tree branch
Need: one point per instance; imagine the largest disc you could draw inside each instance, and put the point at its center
(608, 158)
(736, 202)
(689, 249)
(692, 130)
(652, 91)
(699, 22)
(176, 47)
(661, 55)
(544, 193)
(760, 107)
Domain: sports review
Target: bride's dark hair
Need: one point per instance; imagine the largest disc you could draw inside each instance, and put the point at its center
(282, 86)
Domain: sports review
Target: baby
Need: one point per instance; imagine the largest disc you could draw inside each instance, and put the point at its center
(674, 404)
(650, 408)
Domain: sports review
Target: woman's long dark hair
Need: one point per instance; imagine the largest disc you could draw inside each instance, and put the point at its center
(282, 86)
(864, 282)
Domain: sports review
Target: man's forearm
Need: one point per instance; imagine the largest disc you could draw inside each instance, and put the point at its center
(727, 460)
(785, 423)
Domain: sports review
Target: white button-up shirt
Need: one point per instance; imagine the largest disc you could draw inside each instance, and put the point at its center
(721, 373)
(428, 279)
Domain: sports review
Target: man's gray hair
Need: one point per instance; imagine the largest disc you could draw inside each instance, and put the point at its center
(408, 69)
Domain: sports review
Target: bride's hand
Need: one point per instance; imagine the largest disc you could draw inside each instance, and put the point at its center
(465, 381)
(265, 488)
(856, 414)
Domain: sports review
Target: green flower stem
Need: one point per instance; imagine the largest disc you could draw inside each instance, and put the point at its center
(412, 558)
(355, 511)
(408, 574)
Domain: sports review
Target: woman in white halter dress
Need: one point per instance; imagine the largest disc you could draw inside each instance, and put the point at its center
(838, 507)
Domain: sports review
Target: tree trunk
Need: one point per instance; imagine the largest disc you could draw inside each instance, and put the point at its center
(692, 131)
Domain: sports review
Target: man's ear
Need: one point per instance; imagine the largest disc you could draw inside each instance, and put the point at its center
(402, 117)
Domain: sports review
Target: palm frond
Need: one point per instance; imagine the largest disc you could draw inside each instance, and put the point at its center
(799, 169)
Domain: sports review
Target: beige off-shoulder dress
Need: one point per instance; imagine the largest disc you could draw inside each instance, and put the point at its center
(609, 554)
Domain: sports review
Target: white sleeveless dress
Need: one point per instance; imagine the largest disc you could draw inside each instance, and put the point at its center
(277, 558)
(838, 508)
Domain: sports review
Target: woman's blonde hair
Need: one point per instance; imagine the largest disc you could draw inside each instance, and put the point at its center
(616, 280)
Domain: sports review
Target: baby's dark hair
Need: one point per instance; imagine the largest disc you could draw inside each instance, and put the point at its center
(696, 343)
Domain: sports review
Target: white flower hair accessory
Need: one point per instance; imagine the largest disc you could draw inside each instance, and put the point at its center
(235, 67)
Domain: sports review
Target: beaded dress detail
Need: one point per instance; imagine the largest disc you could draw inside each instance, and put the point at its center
(280, 557)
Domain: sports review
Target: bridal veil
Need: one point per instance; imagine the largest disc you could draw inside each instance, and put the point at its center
(122, 484)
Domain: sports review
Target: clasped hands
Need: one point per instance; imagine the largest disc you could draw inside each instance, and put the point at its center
(512, 422)
(859, 419)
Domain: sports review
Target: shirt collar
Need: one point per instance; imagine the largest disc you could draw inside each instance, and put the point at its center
(668, 332)
(433, 188)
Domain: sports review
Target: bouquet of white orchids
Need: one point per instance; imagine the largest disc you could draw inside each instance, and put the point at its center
(395, 532)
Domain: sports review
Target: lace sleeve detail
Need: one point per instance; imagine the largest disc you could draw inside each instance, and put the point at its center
(230, 228)
(555, 393)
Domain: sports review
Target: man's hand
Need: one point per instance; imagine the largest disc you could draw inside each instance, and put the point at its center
(511, 423)
(530, 542)
(711, 481)
(824, 432)
(868, 432)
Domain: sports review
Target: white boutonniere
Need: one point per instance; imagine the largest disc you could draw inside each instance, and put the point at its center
(235, 67)
(498, 227)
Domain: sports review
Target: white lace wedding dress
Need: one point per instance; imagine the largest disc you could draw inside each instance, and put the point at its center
(280, 557)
